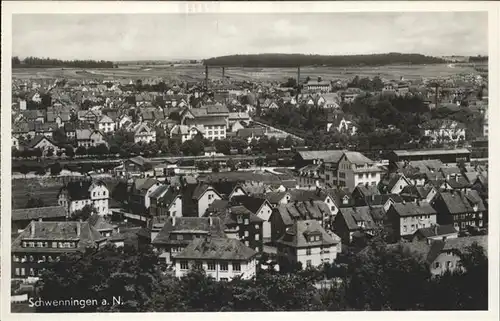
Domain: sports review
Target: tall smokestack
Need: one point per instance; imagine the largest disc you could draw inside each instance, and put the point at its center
(223, 73)
(298, 76)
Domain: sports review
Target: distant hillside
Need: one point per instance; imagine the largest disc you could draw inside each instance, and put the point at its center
(294, 60)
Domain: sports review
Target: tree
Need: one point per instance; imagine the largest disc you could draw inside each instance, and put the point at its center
(84, 213)
(50, 152)
(55, 169)
(23, 169)
(125, 273)
(81, 151)
(102, 150)
(41, 171)
(34, 202)
(85, 168)
(68, 150)
(231, 164)
(59, 136)
(259, 162)
(215, 167)
(223, 146)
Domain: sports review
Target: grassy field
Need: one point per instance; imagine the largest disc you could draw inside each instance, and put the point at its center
(43, 188)
(197, 72)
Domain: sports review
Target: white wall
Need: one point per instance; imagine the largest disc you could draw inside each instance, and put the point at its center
(204, 202)
(248, 269)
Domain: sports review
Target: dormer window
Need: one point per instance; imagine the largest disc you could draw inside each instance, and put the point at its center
(240, 219)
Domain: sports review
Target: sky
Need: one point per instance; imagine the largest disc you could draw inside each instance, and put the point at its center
(199, 36)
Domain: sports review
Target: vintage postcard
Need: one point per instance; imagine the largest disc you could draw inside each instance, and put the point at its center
(256, 157)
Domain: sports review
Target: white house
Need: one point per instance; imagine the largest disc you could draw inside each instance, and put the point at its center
(221, 258)
(77, 194)
(143, 133)
(308, 243)
(354, 169)
(106, 124)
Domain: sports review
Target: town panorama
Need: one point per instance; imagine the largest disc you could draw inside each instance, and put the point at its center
(262, 183)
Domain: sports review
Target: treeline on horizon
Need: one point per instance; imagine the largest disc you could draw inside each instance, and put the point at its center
(294, 60)
(48, 62)
(478, 59)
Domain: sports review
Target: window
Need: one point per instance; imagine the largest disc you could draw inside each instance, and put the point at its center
(257, 237)
(180, 237)
(211, 266)
(223, 279)
(480, 223)
(31, 259)
(247, 233)
(223, 266)
(54, 244)
(308, 251)
(18, 271)
(413, 227)
(436, 265)
(236, 266)
(247, 221)
(405, 228)
(308, 263)
(210, 196)
(184, 265)
(448, 264)
(247, 243)
(257, 226)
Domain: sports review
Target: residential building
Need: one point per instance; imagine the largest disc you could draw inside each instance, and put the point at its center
(406, 218)
(444, 131)
(353, 222)
(89, 138)
(221, 258)
(356, 169)
(318, 85)
(166, 201)
(460, 209)
(240, 223)
(284, 215)
(308, 243)
(184, 132)
(260, 207)
(197, 197)
(435, 233)
(144, 133)
(76, 195)
(172, 234)
(444, 255)
(42, 243)
(140, 192)
(106, 124)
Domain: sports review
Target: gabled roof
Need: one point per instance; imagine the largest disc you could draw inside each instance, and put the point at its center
(38, 212)
(326, 155)
(57, 231)
(188, 225)
(35, 141)
(357, 158)
(413, 209)
(296, 211)
(353, 215)
(212, 248)
(105, 119)
(80, 190)
(99, 223)
(252, 203)
(459, 202)
(297, 235)
(437, 230)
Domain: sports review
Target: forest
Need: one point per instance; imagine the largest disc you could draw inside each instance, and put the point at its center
(294, 60)
(31, 62)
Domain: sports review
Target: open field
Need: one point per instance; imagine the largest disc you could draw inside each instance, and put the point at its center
(197, 72)
(44, 188)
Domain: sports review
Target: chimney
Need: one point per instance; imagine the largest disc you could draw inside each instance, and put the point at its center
(173, 220)
(40, 219)
(456, 178)
(435, 230)
(210, 220)
(78, 228)
(32, 228)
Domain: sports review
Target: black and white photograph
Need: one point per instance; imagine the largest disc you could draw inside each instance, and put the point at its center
(213, 161)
